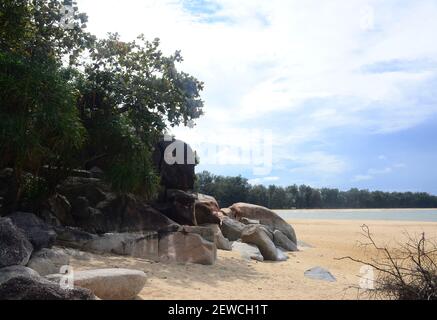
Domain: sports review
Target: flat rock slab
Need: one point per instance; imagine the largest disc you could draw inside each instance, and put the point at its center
(319, 273)
(109, 284)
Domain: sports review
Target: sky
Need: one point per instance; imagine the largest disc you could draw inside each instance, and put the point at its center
(335, 93)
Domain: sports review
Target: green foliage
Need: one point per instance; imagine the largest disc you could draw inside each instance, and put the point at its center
(229, 190)
(61, 109)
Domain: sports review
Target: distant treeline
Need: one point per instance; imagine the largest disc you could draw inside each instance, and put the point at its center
(229, 190)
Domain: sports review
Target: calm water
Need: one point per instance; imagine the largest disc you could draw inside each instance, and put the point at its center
(362, 214)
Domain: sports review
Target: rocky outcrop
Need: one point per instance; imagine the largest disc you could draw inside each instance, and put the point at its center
(231, 228)
(15, 249)
(138, 245)
(220, 240)
(40, 234)
(254, 235)
(48, 261)
(183, 247)
(178, 205)
(109, 284)
(283, 242)
(73, 237)
(21, 283)
(265, 216)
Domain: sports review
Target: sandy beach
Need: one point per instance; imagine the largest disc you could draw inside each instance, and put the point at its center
(235, 278)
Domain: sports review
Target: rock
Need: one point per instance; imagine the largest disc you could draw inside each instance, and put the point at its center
(96, 172)
(254, 235)
(39, 233)
(282, 241)
(29, 288)
(91, 188)
(221, 242)
(249, 221)
(73, 237)
(178, 174)
(206, 210)
(320, 273)
(266, 230)
(109, 284)
(80, 207)
(61, 209)
(17, 271)
(227, 212)
(139, 245)
(280, 255)
(247, 251)
(265, 216)
(181, 247)
(232, 229)
(178, 205)
(49, 218)
(126, 213)
(15, 249)
(48, 261)
(206, 233)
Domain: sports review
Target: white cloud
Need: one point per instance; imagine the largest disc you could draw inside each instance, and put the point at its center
(263, 180)
(262, 57)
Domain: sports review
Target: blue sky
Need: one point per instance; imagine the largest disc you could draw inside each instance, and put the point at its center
(346, 89)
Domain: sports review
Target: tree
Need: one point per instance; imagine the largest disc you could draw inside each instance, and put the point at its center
(38, 118)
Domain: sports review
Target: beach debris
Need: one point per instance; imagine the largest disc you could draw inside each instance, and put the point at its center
(319, 273)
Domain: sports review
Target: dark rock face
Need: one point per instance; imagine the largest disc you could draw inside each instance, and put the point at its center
(15, 249)
(26, 288)
(180, 174)
(178, 206)
(40, 234)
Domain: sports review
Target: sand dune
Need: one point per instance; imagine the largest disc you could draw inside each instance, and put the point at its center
(234, 278)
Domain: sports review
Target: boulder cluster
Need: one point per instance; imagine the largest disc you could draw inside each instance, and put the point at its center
(84, 214)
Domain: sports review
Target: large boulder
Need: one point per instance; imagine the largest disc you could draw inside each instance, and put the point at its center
(15, 249)
(139, 245)
(91, 188)
(48, 261)
(109, 284)
(282, 241)
(252, 234)
(231, 228)
(182, 247)
(175, 162)
(265, 216)
(206, 210)
(247, 251)
(39, 233)
(220, 240)
(21, 283)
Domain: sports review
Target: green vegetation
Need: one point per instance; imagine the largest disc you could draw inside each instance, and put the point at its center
(69, 100)
(228, 190)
